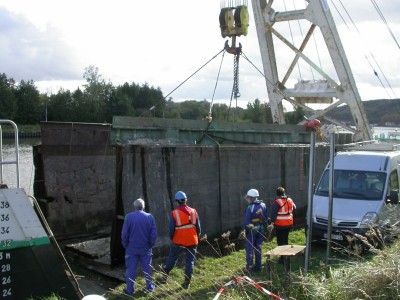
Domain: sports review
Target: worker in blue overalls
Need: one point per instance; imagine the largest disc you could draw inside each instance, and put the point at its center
(255, 218)
(139, 234)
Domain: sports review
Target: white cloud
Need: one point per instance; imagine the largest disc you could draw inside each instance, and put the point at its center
(163, 42)
(28, 53)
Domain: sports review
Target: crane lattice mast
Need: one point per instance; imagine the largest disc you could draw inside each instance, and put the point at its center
(343, 89)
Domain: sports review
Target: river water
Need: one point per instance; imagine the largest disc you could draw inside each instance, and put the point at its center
(26, 168)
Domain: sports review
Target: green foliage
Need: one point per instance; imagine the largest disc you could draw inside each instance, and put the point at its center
(119, 104)
(51, 297)
(378, 112)
(369, 278)
(59, 106)
(97, 93)
(295, 116)
(194, 110)
(8, 101)
(258, 112)
(98, 101)
(30, 109)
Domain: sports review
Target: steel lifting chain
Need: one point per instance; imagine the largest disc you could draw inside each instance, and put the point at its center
(235, 89)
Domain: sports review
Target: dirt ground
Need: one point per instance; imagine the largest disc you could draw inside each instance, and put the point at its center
(90, 265)
(91, 282)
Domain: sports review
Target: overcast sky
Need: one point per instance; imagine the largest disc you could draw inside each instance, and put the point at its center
(163, 42)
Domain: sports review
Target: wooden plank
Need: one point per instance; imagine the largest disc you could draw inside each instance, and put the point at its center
(286, 250)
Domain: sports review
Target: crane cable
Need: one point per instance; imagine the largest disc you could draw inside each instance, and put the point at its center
(377, 75)
(209, 117)
(387, 81)
(194, 73)
(277, 88)
(355, 26)
(179, 85)
(391, 33)
(384, 21)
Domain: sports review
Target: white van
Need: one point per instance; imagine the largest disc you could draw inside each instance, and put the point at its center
(365, 195)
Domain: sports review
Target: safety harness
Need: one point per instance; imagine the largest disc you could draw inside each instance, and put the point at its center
(257, 220)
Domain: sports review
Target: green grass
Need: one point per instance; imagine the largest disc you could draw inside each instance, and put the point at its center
(374, 275)
(211, 272)
(21, 128)
(348, 276)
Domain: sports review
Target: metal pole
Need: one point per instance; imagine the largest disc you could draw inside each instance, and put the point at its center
(330, 208)
(1, 155)
(310, 201)
(16, 150)
(16, 144)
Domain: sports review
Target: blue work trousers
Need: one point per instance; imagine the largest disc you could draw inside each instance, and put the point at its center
(131, 263)
(254, 240)
(282, 235)
(175, 252)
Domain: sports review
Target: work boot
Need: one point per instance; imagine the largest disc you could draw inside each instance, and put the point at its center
(255, 269)
(163, 278)
(150, 288)
(186, 283)
(125, 291)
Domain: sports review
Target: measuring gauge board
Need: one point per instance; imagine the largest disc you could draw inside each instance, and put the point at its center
(29, 264)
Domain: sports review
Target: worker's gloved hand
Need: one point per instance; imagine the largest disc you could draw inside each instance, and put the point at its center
(270, 227)
(242, 235)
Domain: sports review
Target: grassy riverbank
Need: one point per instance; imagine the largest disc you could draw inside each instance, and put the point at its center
(21, 128)
(24, 131)
(375, 275)
(371, 276)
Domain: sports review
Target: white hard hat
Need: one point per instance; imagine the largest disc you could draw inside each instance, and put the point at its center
(93, 297)
(253, 193)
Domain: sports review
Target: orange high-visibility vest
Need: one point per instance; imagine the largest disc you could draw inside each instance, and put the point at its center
(185, 228)
(285, 212)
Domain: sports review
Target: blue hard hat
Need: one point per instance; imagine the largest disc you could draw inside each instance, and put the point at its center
(180, 196)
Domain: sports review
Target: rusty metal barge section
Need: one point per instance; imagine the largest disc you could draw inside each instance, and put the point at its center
(87, 175)
(214, 178)
(75, 178)
(190, 132)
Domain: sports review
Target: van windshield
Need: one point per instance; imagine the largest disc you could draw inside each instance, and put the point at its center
(361, 185)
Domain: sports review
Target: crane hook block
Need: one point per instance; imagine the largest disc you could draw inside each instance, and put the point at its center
(242, 20)
(226, 21)
(234, 21)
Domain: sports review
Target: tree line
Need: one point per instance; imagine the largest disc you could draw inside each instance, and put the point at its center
(98, 101)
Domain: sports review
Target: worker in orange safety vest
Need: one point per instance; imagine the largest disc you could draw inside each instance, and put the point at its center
(282, 216)
(184, 230)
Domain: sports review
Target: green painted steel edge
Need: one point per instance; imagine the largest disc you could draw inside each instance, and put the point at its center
(11, 244)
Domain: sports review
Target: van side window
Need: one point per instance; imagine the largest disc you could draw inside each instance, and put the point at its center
(393, 182)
